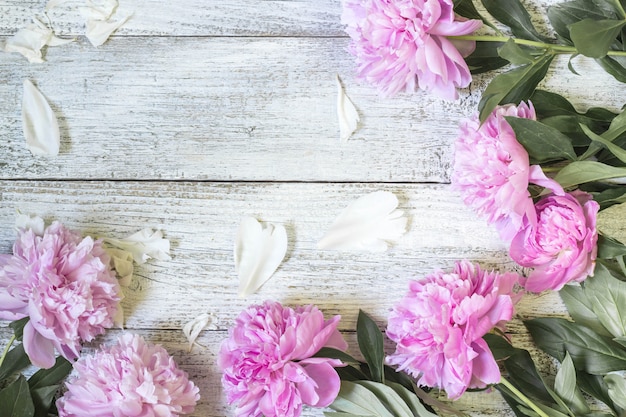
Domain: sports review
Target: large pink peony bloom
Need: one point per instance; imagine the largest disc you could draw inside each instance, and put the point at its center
(267, 363)
(64, 283)
(402, 43)
(562, 246)
(491, 169)
(438, 327)
(130, 379)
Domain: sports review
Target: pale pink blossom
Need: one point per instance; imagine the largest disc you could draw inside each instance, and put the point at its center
(132, 379)
(492, 171)
(64, 283)
(268, 365)
(562, 245)
(438, 327)
(403, 44)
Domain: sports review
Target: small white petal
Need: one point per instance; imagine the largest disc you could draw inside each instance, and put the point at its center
(98, 31)
(366, 224)
(29, 41)
(122, 262)
(100, 9)
(193, 328)
(258, 253)
(346, 112)
(39, 122)
(144, 245)
(35, 223)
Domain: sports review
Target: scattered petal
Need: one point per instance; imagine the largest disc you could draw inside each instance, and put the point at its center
(258, 253)
(122, 262)
(100, 23)
(100, 10)
(366, 224)
(348, 116)
(35, 223)
(29, 41)
(39, 122)
(193, 328)
(144, 245)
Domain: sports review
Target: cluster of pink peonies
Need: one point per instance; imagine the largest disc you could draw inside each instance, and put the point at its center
(403, 44)
(64, 284)
(267, 363)
(131, 378)
(438, 327)
(555, 235)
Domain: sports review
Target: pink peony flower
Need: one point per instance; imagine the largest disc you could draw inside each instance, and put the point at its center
(130, 379)
(400, 44)
(562, 245)
(267, 363)
(63, 282)
(438, 327)
(491, 169)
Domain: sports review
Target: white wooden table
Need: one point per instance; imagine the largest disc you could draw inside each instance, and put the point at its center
(200, 112)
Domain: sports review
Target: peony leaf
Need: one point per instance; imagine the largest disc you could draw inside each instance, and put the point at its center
(389, 397)
(513, 86)
(500, 348)
(258, 253)
(513, 53)
(39, 123)
(542, 142)
(485, 58)
(15, 360)
(358, 400)
(580, 309)
(580, 172)
(606, 295)
(346, 112)
(614, 149)
(565, 386)
(16, 400)
(193, 328)
(616, 384)
(610, 248)
(563, 14)
(614, 65)
(593, 38)
(513, 14)
(366, 224)
(590, 351)
(370, 341)
(523, 372)
(51, 376)
(43, 398)
(411, 400)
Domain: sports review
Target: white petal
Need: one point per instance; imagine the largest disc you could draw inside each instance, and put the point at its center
(98, 31)
(39, 122)
(346, 112)
(29, 41)
(193, 328)
(366, 224)
(258, 253)
(144, 245)
(100, 9)
(122, 262)
(35, 223)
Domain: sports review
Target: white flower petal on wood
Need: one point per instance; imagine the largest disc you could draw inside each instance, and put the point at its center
(39, 123)
(100, 24)
(193, 328)
(34, 223)
(258, 253)
(367, 224)
(144, 245)
(29, 41)
(346, 112)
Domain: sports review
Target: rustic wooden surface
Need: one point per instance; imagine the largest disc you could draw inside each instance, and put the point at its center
(198, 113)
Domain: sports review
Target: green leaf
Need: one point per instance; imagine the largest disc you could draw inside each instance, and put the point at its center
(16, 400)
(52, 376)
(42, 399)
(411, 400)
(467, 9)
(549, 104)
(356, 399)
(590, 351)
(616, 389)
(389, 397)
(485, 58)
(514, 53)
(617, 127)
(543, 143)
(565, 386)
(499, 346)
(18, 327)
(595, 386)
(513, 14)
(593, 38)
(614, 66)
(614, 149)
(564, 14)
(581, 172)
(524, 376)
(370, 341)
(580, 309)
(15, 361)
(610, 197)
(610, 248)
(331, 353)
(607, 296)
(336, 414)
(513, 86)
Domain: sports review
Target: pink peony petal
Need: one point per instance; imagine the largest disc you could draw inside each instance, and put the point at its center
(40, 350)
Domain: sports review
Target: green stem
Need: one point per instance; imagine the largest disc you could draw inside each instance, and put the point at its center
(522, 397)
(620, 8)
(559, 49)
(6, 349)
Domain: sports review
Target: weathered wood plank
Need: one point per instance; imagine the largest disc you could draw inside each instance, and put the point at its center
(238, 109)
